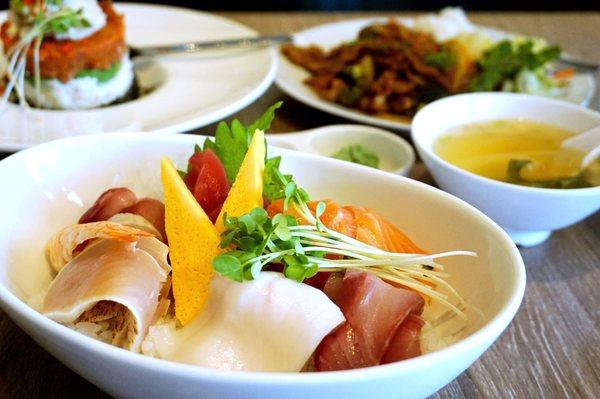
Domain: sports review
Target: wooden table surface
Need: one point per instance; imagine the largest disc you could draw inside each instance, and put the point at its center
(551, 349)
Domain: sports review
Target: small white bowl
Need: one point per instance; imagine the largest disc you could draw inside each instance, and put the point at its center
(52, 184)
(528, 214)
(395, 154)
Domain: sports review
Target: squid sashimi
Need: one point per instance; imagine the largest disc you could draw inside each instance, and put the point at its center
(374, 311)
(267, 324)
(112, 282)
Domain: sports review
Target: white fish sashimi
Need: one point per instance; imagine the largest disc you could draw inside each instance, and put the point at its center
(268, 324)
(110, 281)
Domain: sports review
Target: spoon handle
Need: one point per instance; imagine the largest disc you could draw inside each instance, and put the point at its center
(588, 142)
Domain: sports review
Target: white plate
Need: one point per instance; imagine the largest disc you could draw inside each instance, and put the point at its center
(196, 90)
(49, 191)
(290, 77)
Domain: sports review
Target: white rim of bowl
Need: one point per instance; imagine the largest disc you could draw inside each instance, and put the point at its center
(422, 114)
(494, 327)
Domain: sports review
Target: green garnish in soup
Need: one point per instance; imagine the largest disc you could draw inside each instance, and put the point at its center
(517, 151)
(358, 154)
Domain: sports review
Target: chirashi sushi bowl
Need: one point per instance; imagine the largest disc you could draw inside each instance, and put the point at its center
(265, 351)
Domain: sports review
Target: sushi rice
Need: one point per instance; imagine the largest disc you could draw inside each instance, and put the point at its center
(83, 92)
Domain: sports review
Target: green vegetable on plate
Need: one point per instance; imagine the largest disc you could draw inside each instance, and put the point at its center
(504, 61)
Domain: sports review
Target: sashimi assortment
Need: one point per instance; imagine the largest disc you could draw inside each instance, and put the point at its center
(236, 268)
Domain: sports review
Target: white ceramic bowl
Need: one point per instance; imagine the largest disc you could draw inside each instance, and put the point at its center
(528, 214)
(395, 154)
(50, 185)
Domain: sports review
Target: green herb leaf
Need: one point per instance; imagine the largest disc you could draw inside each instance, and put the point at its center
(273, 186)
(231, 142)
(228, 266)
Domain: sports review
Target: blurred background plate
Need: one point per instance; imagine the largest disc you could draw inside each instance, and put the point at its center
(290, 78)
(187, 91)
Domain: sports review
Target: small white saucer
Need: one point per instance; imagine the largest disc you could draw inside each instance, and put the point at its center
(395, 154)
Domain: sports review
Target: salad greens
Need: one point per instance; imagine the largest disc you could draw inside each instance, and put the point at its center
(356, 153)
(513, 175)
(504, 61)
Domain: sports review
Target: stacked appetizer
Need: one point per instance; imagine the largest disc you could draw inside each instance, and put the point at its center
(239, 270)
(64, 54)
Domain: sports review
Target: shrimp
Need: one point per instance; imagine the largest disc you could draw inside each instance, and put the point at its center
(61, 248)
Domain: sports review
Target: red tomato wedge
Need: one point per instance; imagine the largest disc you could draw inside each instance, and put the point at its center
(208, 182)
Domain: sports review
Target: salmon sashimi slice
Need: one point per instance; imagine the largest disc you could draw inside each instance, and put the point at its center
(356, 222)
(374, 230)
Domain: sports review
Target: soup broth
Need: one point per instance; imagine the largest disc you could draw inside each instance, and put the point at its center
(517, 151)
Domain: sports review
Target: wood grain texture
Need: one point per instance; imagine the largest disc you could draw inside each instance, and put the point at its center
(550, 350)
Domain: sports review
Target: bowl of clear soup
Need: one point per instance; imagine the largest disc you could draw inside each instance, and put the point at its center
(502, 153)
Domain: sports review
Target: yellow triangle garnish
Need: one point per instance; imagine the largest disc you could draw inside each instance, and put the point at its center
(193, 239)
(247, 190)
(193, 243)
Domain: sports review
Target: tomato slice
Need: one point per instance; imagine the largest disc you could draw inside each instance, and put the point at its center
(208, 182)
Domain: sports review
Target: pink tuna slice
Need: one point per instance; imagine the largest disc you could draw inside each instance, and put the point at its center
(375, 311)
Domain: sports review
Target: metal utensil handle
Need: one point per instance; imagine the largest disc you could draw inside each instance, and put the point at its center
(194, 47)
